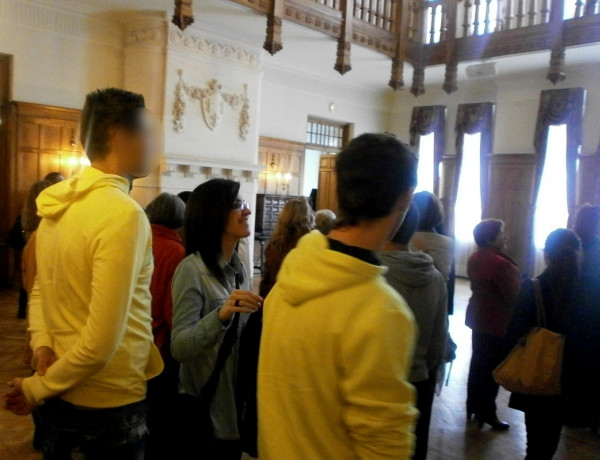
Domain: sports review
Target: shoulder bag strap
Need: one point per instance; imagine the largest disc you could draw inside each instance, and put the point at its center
(539, 303)
(210, 388)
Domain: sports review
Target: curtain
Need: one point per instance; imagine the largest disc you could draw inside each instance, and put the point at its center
(426, 120)
(471, 119)
(557, 107)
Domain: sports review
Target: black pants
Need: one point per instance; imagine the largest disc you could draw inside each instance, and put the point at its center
(488, 352)
(543, 432)
(162, 401)
(425, 393)
(194, 440)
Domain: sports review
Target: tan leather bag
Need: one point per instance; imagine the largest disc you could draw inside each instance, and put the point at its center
(534, 366)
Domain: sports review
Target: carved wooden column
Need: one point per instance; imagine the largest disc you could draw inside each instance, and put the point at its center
(418, 83)
(400, 29)
(342, 64)
(450, 78)
(144, 73)
(556, 72)
(273, 42)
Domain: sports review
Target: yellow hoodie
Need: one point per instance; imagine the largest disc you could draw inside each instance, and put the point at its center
(91, 299)
(335, 354)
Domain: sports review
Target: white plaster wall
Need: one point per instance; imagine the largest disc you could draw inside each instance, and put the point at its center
(289, 97)
(517, 100)
(59, 55)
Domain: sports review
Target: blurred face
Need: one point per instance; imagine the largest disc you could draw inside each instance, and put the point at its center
(500, 241)
(238, 226)
(139, 150)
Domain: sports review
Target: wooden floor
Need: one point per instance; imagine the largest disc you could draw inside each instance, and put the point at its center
(451, 437)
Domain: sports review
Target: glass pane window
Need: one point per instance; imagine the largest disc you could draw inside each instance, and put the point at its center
(552, 210)
(467, 211)
(325, 133)
(426, 169)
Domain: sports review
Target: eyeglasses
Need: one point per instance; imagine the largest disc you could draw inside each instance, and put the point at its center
(240, 205)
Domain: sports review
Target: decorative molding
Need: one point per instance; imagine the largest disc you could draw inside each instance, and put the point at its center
(145, 33)
(212, 101)
(214, 48)
(60, 21)
(203, 169)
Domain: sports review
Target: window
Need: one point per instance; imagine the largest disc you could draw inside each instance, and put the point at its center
(552, 211)
(467, 212)
(426, 171)
(328, 134)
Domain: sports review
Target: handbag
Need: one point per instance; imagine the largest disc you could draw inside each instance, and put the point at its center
(534, 366)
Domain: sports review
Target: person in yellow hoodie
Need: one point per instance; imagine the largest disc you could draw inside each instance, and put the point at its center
(90, 317)
(337, 340)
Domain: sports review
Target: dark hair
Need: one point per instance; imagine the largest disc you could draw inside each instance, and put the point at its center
(564, 265)
(486, 231)
(373, 171)
(408, 227)
(206, 216)
(166, 210)
(104, 110)
(431, 212)
(184, 196)
(54, 177)
(587, 222)
(29, 216)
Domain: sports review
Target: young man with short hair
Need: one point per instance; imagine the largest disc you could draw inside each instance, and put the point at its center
(416, 279)
(337, 340)
(89, 313)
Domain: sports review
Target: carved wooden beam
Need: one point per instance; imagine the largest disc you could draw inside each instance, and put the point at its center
(556, 72)
(400, 30)
(418, 83)
(450, 78)
(183, 15)
(342, 63)
(273, 42)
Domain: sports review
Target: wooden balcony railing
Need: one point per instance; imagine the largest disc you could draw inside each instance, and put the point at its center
(432, 32)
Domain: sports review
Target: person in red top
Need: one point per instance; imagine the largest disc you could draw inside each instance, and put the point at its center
(166, 214)
(495, 284)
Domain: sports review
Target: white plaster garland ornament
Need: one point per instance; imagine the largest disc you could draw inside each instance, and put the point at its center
(212, 102)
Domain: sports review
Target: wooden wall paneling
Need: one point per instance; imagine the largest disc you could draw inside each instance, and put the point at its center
(37, 141)
(284, 157)
(327, 193)
(588, 183)
(511, 195)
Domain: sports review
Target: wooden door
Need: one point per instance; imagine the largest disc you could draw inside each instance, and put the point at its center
(327, 193)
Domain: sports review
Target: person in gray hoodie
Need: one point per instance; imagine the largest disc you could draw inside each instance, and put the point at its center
(415, 277)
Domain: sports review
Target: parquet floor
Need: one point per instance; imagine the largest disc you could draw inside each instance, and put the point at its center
(451, 437)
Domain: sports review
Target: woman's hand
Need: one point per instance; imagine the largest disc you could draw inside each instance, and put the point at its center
(239, 302)
(43, 358)
(15, 400)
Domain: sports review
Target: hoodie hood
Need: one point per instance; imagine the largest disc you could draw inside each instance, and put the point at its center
(55, 200)
(313, 270)
(414, 269)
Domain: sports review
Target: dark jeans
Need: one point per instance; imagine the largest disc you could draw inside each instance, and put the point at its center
(543, 432)
(425, 393)
(73, 433)
(488, 352)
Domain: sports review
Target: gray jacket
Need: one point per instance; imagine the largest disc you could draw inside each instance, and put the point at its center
(423, 287)
(197, 335)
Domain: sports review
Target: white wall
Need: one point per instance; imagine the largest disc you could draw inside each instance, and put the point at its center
(310, 177)
(289, 97)
(517, 100)
(59, 55)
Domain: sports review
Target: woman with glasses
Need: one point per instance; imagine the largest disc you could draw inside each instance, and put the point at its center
(211, 305)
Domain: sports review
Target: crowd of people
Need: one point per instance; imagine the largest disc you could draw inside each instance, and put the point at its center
(148, 341)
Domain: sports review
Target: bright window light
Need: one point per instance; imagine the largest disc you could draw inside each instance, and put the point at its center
(552, 211)
(467, 211)
(426, 163)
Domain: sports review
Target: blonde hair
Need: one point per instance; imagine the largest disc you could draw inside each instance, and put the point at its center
(296, 220)
(29, 217)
